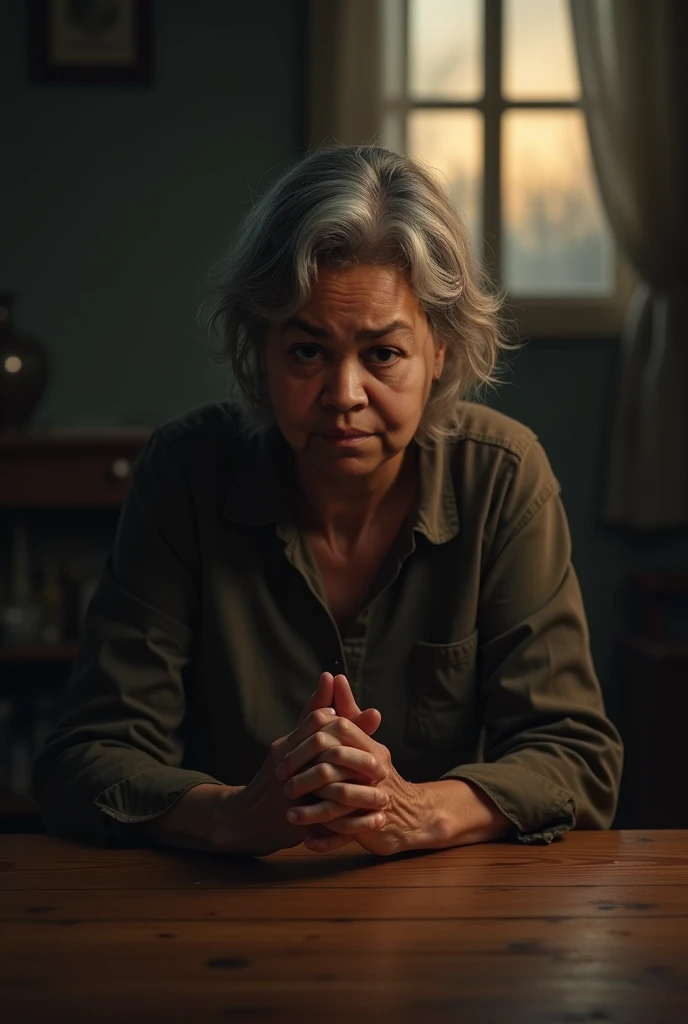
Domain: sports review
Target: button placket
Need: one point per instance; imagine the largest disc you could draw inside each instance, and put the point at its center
(354, 649)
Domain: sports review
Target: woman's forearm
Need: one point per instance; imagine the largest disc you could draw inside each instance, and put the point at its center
(460, 813)
(192, 822)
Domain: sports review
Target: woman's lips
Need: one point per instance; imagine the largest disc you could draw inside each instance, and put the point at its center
(344, 440)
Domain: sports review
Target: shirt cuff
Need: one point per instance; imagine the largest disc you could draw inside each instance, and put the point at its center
(540, 810)
(144, 796)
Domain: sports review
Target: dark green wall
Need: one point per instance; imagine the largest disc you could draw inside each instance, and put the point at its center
(116, 199)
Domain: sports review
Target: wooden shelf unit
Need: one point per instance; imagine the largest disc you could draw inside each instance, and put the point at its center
(13, 805)
(58, 470)
(39, 654)
(654, 691)
(67, 469)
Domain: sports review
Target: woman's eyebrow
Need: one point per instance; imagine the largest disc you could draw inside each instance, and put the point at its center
(368, 334)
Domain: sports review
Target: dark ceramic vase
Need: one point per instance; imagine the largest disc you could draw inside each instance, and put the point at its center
(23, 370)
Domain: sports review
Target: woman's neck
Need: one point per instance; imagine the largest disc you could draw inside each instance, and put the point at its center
(344, 511)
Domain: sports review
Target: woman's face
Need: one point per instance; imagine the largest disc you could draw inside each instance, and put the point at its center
(359, 358)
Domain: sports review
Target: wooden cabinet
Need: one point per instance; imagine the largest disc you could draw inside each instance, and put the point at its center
(46, 477)
(67, 470)
(654, 703)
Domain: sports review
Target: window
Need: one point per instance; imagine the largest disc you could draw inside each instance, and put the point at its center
(487, 92)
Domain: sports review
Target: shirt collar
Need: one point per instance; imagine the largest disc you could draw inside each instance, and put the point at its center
(262, 478)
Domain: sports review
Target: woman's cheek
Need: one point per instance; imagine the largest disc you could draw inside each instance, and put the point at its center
(293, 404)
(403, 400)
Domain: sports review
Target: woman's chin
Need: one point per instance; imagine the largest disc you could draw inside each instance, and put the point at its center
(349, 464)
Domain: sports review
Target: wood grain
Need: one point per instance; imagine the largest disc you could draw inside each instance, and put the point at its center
(591, 928)
(389, 903)
(622, 858)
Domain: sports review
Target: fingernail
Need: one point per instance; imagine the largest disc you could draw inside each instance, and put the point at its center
(281, 772)
(331, 711)
(292, 816)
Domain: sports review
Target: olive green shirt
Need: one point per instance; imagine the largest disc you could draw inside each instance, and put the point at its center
(210, 627)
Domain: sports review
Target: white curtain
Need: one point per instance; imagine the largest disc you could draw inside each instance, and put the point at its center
(633, 60)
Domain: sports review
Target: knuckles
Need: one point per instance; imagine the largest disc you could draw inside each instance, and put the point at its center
(327, 772)
(320, 741)
(290, 787)
(322, 717)
(278, 749)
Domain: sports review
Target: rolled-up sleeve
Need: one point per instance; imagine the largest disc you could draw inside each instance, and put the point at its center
(112, 757)
(552, 758)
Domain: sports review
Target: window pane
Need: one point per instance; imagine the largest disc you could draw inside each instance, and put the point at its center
(539, 57)
(445, 49)
(451, 141)
(555, 238)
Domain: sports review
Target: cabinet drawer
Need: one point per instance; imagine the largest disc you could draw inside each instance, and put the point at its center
(51, 472)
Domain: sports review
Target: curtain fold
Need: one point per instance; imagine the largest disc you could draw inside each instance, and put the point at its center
(634, 79)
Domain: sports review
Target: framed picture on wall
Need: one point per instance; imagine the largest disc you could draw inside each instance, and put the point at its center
(95, 42)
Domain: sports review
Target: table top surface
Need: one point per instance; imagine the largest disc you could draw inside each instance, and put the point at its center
(593, 927)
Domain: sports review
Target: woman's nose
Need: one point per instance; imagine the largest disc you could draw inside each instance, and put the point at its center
(344, 387)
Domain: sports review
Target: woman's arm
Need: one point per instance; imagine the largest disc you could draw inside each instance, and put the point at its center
(113, 756)
(552, 758)
(192, 823)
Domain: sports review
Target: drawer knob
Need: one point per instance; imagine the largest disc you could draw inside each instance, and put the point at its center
(120, 469)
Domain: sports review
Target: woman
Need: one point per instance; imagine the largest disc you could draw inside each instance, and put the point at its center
(348, 520)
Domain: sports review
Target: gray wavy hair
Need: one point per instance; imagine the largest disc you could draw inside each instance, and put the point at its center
(336, 206)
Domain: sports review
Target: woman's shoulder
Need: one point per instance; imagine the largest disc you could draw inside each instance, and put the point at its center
(200, 445)
(201, 423)
(492, 450)
(212, 428)
(484, 427)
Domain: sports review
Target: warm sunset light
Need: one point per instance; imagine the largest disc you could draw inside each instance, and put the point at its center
(554, 235)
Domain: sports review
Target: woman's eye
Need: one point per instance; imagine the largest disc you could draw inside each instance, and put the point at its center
(306, 353)
(380, 356)
(387, 356)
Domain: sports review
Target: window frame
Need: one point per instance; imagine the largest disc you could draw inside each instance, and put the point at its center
(546, 316)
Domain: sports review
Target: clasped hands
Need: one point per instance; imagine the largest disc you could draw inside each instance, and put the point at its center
(358, 792)
(327, 783)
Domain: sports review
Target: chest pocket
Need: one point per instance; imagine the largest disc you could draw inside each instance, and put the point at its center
(443, 699)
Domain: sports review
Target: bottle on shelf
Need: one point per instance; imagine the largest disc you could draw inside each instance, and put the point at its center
(20, 767)
(52, 603)
(6, 714)
(20, 617)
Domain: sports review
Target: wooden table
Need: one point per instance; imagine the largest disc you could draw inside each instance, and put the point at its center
(592, 928)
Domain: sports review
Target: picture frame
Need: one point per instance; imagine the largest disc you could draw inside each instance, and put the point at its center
(90, 42)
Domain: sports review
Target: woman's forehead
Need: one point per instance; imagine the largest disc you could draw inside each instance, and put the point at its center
(364, 334)
(363, 292)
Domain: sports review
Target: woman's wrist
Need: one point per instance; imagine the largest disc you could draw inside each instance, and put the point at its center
(456, 812)
(196, 821)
